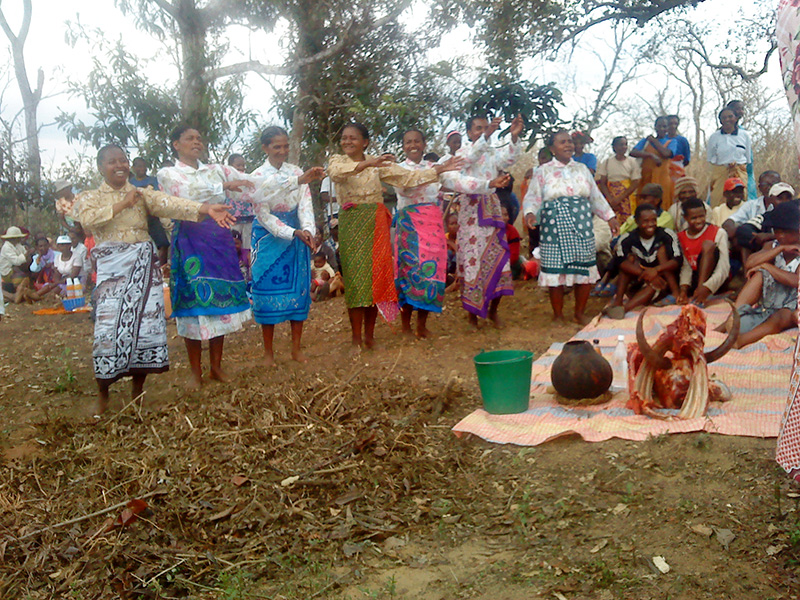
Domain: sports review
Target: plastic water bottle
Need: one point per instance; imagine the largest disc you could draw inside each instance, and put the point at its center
(77, 288)
(619, 364)
(70, 288)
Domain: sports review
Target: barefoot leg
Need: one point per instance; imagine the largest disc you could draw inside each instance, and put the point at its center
(422, 324)
(582, 291)
(356, 323)
(102, 396)
(493, 316)
(370, 316)
(137, 385)
(194, 348)
(297, 334)
(557, 301)
(405, 319)
(215, 346)
(267, 333)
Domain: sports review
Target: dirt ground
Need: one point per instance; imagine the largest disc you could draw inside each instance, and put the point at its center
(342, 479)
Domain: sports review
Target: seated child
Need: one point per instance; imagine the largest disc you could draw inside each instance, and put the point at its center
(733, 191)
(325, 282)
(652, 194)
(685, 189)
(326, 248)
(751, 236)
(648, 259)
(706, 263)
(768, 299)
(43, 271)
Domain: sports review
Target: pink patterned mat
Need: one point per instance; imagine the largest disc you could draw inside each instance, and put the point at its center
(757, 375)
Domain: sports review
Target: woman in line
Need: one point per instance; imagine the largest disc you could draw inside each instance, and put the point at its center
(657, 165)
(209, 294)
(365, 248)
(618, 178)
(420, 243)
(130, 334)
(283, 238)
(729, 151)
(562, 198)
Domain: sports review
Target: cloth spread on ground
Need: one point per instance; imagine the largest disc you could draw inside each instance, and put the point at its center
(757, 375)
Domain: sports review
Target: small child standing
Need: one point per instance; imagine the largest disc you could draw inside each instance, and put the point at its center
(648, 259)
(706, 263)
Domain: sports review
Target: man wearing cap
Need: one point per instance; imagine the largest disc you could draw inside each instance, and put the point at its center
(651, 194)
(751, 235)
(12, 257)
(733, 191)
(685, 189)
(767, 301)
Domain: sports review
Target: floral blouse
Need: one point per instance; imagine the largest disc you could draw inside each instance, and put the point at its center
(203, 184)
(95, 210)
(365, 187)
(484, 161)
(555, 179)
(281, 192)
(429, 194)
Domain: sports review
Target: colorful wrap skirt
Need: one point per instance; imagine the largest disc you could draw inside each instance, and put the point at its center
(208, 291)
(627, 207)
(281, 272)
(483, 253)
(366, 252)
(420, 257)
(130, 328)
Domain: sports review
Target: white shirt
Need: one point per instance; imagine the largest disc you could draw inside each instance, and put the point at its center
(484, 161)
(726, 148)
(65, 267)
(332, 207)
(429, 194)
(748, 210)
(83, 252)
(280, 191)
(11, 255)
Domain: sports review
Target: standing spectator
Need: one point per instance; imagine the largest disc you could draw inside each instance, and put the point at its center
(729, 152)
(159, 229)
(656, 160)
(618, 178)
(737, 106)
(580, 140)
(13, 257)
(241, 210)
(327, 191)
(139, 177)
(678, 145)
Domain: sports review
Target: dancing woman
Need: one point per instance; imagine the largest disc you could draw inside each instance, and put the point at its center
(364, 221)
(283, 238)
(130, 333)
(208, 290)
(420, 244)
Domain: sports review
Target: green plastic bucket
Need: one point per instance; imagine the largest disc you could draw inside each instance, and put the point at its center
(505, 380)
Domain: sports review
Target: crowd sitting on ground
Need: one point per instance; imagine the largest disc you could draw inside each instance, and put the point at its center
(633, 227)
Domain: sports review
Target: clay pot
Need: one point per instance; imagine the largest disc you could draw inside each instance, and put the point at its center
(581, 372)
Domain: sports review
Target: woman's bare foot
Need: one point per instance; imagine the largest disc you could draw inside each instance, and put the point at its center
(472, 320)
(424, 334)
(218, 375)
(496, 320)
(299, 357)
(559, 319)
(269, 360)
(406, 331)
(369, 343)
(582, 319)
(100, 406)
(195, 383)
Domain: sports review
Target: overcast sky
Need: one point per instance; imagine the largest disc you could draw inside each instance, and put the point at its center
(47, 48)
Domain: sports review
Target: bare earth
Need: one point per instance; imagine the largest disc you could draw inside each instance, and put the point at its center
(342, 479)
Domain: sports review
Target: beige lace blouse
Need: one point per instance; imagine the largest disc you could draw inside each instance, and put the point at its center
(365, 187)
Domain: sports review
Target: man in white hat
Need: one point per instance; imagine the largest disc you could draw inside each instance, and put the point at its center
(12, 257)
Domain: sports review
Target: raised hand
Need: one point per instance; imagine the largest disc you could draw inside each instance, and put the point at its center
(312, 174)
(237, 184)
(494, 125)
(454, 163)
(516, 127)
(220, 214)
(500, 181)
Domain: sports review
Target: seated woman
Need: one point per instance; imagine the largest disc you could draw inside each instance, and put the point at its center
(648, 260)
(768, 299)
(14, 259)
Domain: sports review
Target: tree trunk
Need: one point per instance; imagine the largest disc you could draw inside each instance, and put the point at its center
(194, 91)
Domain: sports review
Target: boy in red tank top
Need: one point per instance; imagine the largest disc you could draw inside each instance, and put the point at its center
(705, 255)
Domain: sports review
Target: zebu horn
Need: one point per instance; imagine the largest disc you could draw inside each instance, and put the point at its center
(657, 360)
(725, 346)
